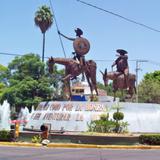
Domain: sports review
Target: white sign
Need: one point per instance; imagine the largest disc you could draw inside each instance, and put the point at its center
(74, 116)
(69, 116)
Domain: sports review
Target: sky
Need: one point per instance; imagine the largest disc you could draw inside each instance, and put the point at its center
(105, 32)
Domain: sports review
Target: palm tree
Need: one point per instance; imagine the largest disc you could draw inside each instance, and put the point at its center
(43, 19)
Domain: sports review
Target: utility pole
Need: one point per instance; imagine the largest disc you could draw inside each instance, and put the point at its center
(137, 70)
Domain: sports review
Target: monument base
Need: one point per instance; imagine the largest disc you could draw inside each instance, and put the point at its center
(72, 116)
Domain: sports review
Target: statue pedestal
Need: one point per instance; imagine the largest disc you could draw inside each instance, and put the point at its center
(75, 116)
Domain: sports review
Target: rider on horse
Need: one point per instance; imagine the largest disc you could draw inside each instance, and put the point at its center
(122, 64)
(78, 57)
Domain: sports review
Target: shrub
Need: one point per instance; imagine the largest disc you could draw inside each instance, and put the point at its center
(5, 135)
(124, 127)
(118, 116)
(36, 139)
(102, 126)
(152, 139)
(104, 117)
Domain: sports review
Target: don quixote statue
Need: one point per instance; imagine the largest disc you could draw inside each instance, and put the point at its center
(77, 65)
(122, 79)
(81, 47)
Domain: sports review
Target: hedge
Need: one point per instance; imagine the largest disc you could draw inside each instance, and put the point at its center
(5, 135)
(150, 139)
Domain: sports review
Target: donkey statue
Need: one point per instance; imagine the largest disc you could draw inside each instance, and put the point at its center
(119, 82)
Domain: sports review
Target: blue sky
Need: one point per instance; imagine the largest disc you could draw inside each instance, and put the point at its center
(106, 33)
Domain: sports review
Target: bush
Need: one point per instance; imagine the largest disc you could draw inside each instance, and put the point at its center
(124, 127)
(104, 117)
(5, 135)
(118, 116)
(102, 126)
(36, 139)
(106, 125)
(152, 139)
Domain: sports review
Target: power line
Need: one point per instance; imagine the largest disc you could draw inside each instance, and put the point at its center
(97, 60)
(155, 63)
(13, 54)
(117, 15)
(103, 60)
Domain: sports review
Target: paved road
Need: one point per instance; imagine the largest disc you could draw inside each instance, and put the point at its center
(24, 153)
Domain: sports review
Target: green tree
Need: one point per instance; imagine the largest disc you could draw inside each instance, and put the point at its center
(43, 19)
(109, 90)
(3, 79)
(29, 83)
(2, 69)
(149, 88)
(3, 73)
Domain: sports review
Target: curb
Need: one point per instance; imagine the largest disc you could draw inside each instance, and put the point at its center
(72, 145)
(24, 144)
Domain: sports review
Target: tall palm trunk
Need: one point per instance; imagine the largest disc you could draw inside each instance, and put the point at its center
(43, 49)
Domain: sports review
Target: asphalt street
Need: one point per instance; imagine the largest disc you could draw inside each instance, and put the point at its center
(43, 153)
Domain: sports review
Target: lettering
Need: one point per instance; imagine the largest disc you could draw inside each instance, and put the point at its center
(95, 107)
(79, 117)
(42, 107)
(64, 111)
(55, 107)
(37, 116)
(48, 116)
(79, 107)
(57, 116)
(67, 107)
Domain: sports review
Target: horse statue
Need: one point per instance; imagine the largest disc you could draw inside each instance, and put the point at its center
(72, 69)
(119, 82)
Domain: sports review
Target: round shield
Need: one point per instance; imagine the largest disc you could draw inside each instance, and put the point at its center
(81, 46)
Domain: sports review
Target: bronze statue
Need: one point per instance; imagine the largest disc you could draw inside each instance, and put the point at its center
(119, 82)
(72, 70)
(122, 64)
(81, 47)
(122, 79)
